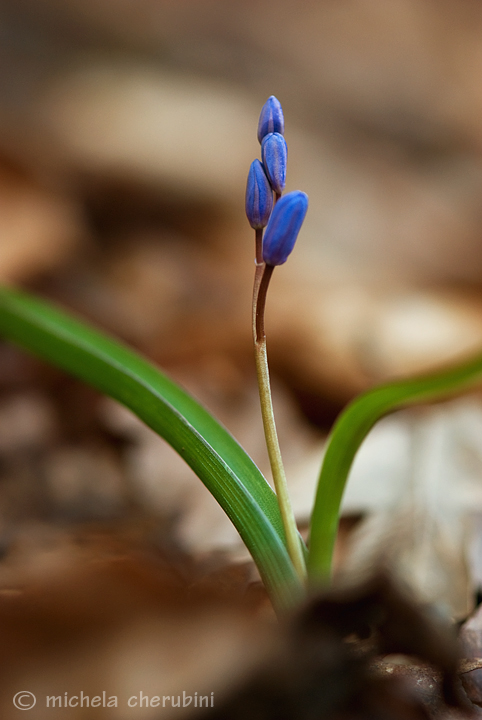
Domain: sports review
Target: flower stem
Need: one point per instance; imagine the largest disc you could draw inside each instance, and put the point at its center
(261, 283)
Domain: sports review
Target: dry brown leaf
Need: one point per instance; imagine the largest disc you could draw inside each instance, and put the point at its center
(38, 228)
(419, 479)
(98, 613)
(338, 339)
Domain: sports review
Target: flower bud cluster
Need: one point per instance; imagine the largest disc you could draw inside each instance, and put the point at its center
(285, 217)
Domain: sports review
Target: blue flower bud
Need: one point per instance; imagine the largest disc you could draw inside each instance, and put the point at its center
(283, 227)
(259, 196)
(274, 154)
(271, 118)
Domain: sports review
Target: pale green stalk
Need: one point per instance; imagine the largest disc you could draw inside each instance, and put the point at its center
(261, 282)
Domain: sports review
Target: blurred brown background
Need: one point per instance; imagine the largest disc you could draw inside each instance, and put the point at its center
(126, 131)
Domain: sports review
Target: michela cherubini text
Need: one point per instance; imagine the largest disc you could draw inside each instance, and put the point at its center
(139, 700)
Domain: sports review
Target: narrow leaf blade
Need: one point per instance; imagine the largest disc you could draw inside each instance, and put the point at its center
(348, 433)
(208, 448)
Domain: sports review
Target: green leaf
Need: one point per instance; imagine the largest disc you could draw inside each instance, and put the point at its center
(207, 447)
(347, 435)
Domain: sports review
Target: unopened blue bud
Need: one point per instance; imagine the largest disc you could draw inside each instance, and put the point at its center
(274, 154)
(271, 118)
(259, 196)
(283, 227)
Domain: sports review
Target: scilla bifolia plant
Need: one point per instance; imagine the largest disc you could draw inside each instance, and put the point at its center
(283, 225)
(264, 520)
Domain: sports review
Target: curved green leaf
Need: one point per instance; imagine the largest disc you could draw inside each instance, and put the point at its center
(208, 448)
(347, 435)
